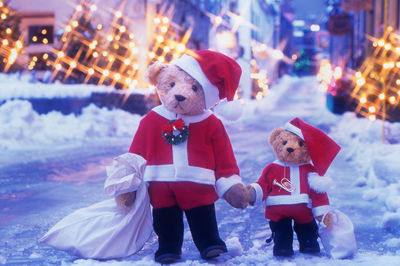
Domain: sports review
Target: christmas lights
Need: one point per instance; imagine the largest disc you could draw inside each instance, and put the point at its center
(11, 44)
(376, 82)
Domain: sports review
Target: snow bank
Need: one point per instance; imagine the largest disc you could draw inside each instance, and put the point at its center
(21, 127)
(376, 164)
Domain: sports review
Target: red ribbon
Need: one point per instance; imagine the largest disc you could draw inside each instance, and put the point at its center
(176, 125)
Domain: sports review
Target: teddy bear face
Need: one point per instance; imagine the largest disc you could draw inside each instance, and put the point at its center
(178, 91)
(288, 147)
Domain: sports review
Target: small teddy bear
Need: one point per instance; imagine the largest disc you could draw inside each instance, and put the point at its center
(287, 186)
(189, 158)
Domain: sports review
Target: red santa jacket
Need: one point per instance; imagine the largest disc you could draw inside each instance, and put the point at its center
(286, 184)
(206, 157)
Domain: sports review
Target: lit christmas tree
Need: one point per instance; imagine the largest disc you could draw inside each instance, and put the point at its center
(377, 81)
(94, 54)
(10, 38)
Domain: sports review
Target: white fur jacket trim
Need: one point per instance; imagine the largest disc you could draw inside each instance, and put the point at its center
(320, 184)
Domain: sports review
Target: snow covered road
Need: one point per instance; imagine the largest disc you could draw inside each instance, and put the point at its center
(38, 187)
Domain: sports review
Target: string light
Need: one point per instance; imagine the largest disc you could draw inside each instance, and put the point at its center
(160, 38)
(360, 81)
(157, 20)
(13, 56)
(181, 48)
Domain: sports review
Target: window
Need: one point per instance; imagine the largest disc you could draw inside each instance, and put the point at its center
(41, 34)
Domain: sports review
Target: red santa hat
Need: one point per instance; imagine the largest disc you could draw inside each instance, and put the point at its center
(217, 73)
(322, 149)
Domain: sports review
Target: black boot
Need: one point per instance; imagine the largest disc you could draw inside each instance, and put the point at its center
(283, 237)
(168, 225)
(307, 234)
(204, 229)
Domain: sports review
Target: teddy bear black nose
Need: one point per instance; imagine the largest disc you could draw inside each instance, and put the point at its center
(179, 97)
(290, 149)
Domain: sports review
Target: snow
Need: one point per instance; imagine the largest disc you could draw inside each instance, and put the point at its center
(68, 155)
(21, 127)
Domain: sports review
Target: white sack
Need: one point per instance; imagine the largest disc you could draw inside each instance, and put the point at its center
(339, 240)
(103, 230)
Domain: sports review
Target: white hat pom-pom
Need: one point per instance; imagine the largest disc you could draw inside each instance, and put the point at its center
(229, 110)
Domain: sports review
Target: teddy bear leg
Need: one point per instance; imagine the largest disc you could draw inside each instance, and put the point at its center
(307, 234)
(204, 229)
(283, 237)
(168, 225)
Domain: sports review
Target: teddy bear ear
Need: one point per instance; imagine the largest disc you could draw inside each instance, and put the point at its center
(153, 71)
(274, 134)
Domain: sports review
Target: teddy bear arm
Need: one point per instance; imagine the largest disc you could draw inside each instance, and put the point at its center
(252, 194)
(237, 196)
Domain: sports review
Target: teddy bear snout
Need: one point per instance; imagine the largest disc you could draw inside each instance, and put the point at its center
(179, 97)
(290, 150)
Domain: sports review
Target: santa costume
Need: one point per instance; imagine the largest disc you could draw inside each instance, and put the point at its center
(189, 159)
(290, 191)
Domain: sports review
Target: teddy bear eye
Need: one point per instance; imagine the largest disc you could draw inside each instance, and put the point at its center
(284, 142)
(172, 84)
(301, 143)
(194, 87)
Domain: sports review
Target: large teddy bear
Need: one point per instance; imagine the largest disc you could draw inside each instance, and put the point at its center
(294, 186)
(189, 158)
